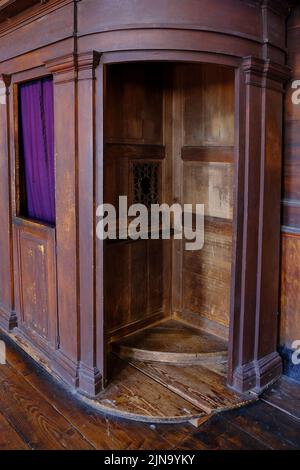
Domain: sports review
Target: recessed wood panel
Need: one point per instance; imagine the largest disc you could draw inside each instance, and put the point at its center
(207, 273)
(290, 247)
(134, 111)
(36, 282)
(208, 92)
(209, 184)
(290, 292)
(134, 281)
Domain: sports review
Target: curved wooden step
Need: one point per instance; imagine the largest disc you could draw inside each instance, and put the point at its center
(171, 342)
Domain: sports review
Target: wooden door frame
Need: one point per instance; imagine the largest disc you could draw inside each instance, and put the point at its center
(253, 79)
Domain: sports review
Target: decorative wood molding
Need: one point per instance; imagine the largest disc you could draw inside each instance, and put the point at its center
(6, 79)
(136, 151)
(64, 69)
(90, 380)
(73, 66)
(65, 368)
(221, 154)
(258, 374)
(265, 73)
(8, 319)
(87, 62)
(28, 11)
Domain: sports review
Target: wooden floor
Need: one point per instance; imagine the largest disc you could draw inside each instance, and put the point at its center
(169, 373)
(38, 413)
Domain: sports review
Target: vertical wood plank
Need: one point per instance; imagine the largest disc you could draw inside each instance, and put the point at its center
(7, 317)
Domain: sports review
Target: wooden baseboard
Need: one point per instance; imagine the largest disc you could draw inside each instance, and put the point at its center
(116, 334)
(258, 374)
(8, 318)
(202, 323)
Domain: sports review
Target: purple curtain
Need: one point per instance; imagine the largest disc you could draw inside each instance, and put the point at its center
(37, 132)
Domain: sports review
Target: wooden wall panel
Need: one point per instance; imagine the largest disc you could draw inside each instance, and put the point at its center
(290, 256)
(207, 149)
(209, 184)
(7, 318)
(65, 361)
(50, 26)
(290, 291)
(207, 274)
(135, 104)
(134, 283)
(208, 105)
(96, 15)
(133, 271)
(35, 280)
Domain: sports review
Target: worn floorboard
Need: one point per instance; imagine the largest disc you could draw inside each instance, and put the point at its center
(9, 438)
(40, 424)
(285, 396)
(219, 434)
(36, 412)
(266, 423)
(131, 392)
(204, 388)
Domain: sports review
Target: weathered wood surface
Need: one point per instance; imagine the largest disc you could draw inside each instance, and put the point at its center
(171, 341)
(284, 395)
(199, 385)
(132, 394)
(254, 427)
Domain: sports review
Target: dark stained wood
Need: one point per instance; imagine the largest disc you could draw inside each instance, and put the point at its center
(208, 154)
(102, 432)
(7, 318)
(285, 396)
(66, 358)
(9, 438)
(91, 373)
(134, 104)
(128, 267)
(207, 274)
(197, 384)
(9, 8)
(135, 151)
(269, 425)
(208, 105)
(134, 273)
(218, 100)
(41, 425)
(290, 240)
(170, 341)
(252, 427)
(131, 394)
(35, 281)
(290, 293)
(256, 364)
(220, 434)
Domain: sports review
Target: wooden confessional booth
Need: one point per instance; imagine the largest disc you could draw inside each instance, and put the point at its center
(164, 102)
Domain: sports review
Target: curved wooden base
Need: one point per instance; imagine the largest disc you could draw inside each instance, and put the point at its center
(171, 342)
(165, 393)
